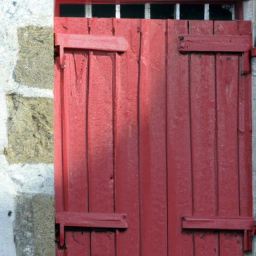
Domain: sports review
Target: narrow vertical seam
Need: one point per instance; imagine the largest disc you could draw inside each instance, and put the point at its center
(138, 121)
(166, 127)
(237, 125)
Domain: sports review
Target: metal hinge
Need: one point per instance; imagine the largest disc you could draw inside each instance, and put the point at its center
(223, 223)
(88, 42)
(201, 43)
(88, 220)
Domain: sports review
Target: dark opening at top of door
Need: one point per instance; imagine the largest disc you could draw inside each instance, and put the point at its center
(150, 11)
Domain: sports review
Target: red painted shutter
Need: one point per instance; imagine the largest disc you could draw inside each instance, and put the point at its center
(154, 134)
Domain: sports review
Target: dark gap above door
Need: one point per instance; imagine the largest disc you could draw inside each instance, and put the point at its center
(162, 11)
(72, 10)
(157, 11)
(220, 12)
(191, 11)
(104, 10)
(135, 11)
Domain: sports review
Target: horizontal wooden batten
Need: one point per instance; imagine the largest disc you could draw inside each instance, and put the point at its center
(214, 43)
(95, 220)
(245, 224)
(88, 220)
(89, 42)
(218, 223)
(202, 43)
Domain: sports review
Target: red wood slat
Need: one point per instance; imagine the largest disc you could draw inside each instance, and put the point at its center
(75, 155)
(244, 27)
(227, 141)
(202, 98)
(218, 223)
(244, 139)
(215, 43)
(70, 25)
(100, 136)
(92, 219)
(65, 129)
(58, 176)
(225, 28)
(90, 42)
(126, 138)
(178, 142)
(75, 101)
(152, 139)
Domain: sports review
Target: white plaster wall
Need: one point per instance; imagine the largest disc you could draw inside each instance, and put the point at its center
(18, 178)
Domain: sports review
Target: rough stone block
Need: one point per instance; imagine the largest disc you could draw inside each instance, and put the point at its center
(30, 130)
(34, 225)
(35, 58)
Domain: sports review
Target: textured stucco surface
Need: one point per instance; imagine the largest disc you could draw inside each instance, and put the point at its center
(35, 57)
(26, 188)
(30, 130)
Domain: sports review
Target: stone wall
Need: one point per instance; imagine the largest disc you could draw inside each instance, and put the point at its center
(26, 128)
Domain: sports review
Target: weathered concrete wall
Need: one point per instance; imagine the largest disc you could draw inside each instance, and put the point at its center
(26, 128)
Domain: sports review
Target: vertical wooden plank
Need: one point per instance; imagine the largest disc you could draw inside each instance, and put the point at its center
(203, 129)
(100, 136)
(228, 174)
(58, 176)
(76, 102)
(178, 142)
(152, 139)
(126, 138)
(74, 83)
(244, 135)
(100, 143)
(227, 140)
(75, 151)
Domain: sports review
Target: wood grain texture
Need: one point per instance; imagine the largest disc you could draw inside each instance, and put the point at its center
(100, 146)
(203, 127)
(245, 135)
(100, 135)
(126, 137)
(155, 134)
(227, 140)
(74, 154)
(152, 139)
(178, 142)
(71, 25)
(58, 176)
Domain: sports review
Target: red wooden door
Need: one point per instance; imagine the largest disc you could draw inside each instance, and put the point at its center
(161, 136)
